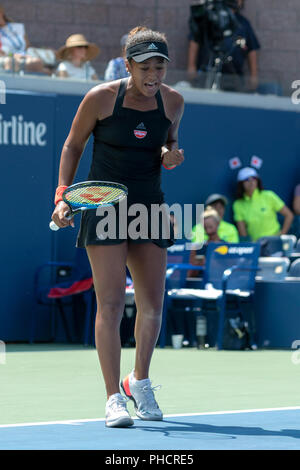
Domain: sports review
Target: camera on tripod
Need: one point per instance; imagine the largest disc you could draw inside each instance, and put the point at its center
(215, 26)
(213, 20)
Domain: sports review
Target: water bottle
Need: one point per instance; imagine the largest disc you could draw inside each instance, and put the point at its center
(201, 331)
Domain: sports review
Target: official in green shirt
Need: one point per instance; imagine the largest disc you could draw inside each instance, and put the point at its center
(255, 209)
(226, 231)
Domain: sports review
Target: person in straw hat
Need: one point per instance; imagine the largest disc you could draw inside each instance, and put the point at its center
(75, 56)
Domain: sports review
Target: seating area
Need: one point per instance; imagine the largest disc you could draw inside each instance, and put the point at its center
(230, 269)
(67, 287)
(279, 259)
(228, 274)
(231, 274)
(60, 285)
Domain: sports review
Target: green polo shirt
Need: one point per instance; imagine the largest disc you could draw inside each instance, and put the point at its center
(226, 231)
(259, 212)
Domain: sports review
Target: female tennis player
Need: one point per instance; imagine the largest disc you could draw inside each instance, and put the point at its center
(135, 125)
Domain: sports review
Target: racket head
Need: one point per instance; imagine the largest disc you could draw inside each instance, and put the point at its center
(92, 194)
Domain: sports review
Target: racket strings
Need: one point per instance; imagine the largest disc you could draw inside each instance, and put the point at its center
(93, 196)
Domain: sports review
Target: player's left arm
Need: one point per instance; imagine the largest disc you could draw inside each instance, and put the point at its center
(171, 155)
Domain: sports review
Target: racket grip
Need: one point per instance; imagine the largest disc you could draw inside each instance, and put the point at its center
(53, 226)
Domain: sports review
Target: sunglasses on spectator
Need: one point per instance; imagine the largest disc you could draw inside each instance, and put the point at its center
(251, 178)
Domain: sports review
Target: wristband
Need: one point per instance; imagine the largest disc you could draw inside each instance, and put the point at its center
(167, 168)
(58, 193)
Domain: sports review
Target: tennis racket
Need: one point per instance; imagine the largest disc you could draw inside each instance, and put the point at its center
(90, 195)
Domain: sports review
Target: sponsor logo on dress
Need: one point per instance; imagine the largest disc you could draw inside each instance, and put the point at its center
(140, 131)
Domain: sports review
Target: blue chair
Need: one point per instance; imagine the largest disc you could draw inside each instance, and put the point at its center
(229, 269)
(272, 268)
(297, 246)
(271, 246)
(281, 245)
(289, 242)
(58, 284)
(294, 270)
(178, 255)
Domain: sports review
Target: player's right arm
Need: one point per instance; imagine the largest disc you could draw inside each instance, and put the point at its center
(82, 126)
(95, 105)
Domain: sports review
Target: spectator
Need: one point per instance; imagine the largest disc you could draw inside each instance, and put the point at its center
(255, 209)
(116, 67)
(201, 50)
(211, 222)
(13, 48)
(296, 201)
(75, 56)
(226, 231)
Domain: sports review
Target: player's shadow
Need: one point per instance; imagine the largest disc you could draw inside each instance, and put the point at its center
(233, 432)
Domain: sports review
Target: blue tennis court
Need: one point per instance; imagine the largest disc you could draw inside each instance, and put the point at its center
(53, 398)
(270, 429)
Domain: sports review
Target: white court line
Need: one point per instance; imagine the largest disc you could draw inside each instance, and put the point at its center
(75, 422)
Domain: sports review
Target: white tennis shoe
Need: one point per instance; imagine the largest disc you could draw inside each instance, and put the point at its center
(116, 413)
(141, 393)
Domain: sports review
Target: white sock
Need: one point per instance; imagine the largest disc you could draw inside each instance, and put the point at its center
(114, 395)
(139, 382)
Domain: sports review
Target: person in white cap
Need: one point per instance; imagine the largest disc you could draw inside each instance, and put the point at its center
(255, 209)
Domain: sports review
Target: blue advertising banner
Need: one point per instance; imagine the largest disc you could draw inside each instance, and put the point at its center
(26, 161)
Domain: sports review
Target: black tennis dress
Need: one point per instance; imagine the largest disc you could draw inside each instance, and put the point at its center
(127, 150)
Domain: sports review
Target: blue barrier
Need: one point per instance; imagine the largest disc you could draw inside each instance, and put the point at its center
(33, 127)
(277, 314)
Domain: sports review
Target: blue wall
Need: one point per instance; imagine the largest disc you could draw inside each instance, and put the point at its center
(26, 177)
(210, 136)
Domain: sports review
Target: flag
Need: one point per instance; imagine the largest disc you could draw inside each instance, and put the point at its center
(256, 162)
(235, 163)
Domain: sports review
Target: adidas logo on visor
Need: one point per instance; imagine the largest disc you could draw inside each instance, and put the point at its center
(152, 47)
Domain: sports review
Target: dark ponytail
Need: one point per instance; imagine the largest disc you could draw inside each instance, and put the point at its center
(143, 34)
